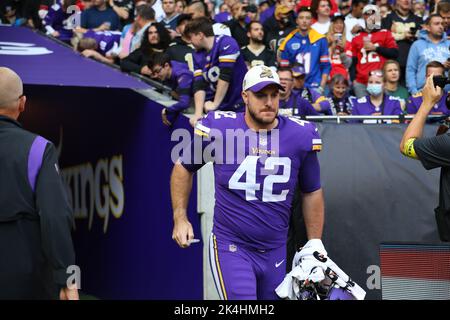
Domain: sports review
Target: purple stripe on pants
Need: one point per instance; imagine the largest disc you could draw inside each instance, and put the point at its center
(35, 159)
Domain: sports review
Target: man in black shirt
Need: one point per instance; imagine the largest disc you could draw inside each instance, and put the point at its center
(237, 25)
(180, 48)
(256, 53)
(278, 26)
(403, 24)
(35, 216)
(124, 9)
(433, 152)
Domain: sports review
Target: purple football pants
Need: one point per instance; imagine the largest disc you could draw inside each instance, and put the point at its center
(243, 273)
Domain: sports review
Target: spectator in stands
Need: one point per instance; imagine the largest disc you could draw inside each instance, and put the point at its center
(180, 48)
(89, 48)
(432, 45)
(391, 71)
(419, 8)
(124, 9)
(237, 25)
(307, 47)
(278, 26)
(319, 102)
(339, 94)
(308, 4)
(58, 22)
(198, 9)
(219, 69)
(376, 102)
(290, 102)
(404, 25)
(264, 5)
(224, 14)
(321, 13)
(354, 22)
(86, 4)
(10, 13)
(385, 10)
(176, 75)
(340, 50)
(145, 16)
(171, 17)
(371, 48)
(156, 39)
(443, 9)
(252, 13)
(269, 12)
(99, 18)
(256, 53)
(344, 8)
(211, 8)
(412, 106)
(180, 5)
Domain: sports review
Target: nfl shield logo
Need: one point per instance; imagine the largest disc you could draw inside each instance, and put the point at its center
(263, 141)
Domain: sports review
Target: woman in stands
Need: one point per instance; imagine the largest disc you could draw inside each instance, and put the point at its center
(391, 70)
(340, 49)
(377, 102)
(156, 39)
(339, 94)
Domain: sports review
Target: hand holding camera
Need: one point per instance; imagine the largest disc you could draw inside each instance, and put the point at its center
(432, 91)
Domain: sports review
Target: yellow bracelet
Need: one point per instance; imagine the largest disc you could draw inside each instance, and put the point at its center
(408, 149)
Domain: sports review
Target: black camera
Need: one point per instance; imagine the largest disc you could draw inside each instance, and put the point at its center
(440, 81)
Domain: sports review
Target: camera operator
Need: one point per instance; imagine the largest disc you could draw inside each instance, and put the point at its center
(433, 152)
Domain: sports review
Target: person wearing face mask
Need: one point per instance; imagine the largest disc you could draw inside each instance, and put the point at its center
(377, 102)
(339, 95)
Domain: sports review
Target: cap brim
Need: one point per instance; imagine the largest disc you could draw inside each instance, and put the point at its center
(259, 86)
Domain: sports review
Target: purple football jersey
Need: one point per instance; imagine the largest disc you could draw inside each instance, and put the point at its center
(414, 102)
(297, 106)
(225, 54)
(390, 106)
(106, 40)
(60, 21)
(254, 185)
(181, 82)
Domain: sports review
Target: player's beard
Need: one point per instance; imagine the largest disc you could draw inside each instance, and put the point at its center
(264, 121)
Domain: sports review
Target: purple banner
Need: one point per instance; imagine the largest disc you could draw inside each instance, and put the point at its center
(39, 60)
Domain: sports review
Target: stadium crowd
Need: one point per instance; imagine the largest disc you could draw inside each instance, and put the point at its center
(360, 57)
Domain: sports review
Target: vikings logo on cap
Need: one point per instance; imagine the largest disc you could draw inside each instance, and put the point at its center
(266, 72)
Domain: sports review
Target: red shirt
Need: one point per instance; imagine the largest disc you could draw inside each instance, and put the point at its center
(336, 63)
(368, 61)
(307, 3)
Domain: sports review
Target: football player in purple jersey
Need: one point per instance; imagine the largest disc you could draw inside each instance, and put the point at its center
(254, 188)
(219, 69)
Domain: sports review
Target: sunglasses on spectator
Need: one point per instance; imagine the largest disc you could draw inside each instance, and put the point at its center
(376, 73)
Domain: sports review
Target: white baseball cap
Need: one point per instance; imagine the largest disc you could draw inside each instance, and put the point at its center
(371, 7)
(259, 77)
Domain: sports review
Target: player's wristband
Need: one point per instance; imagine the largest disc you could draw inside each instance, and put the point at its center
(408, 149)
